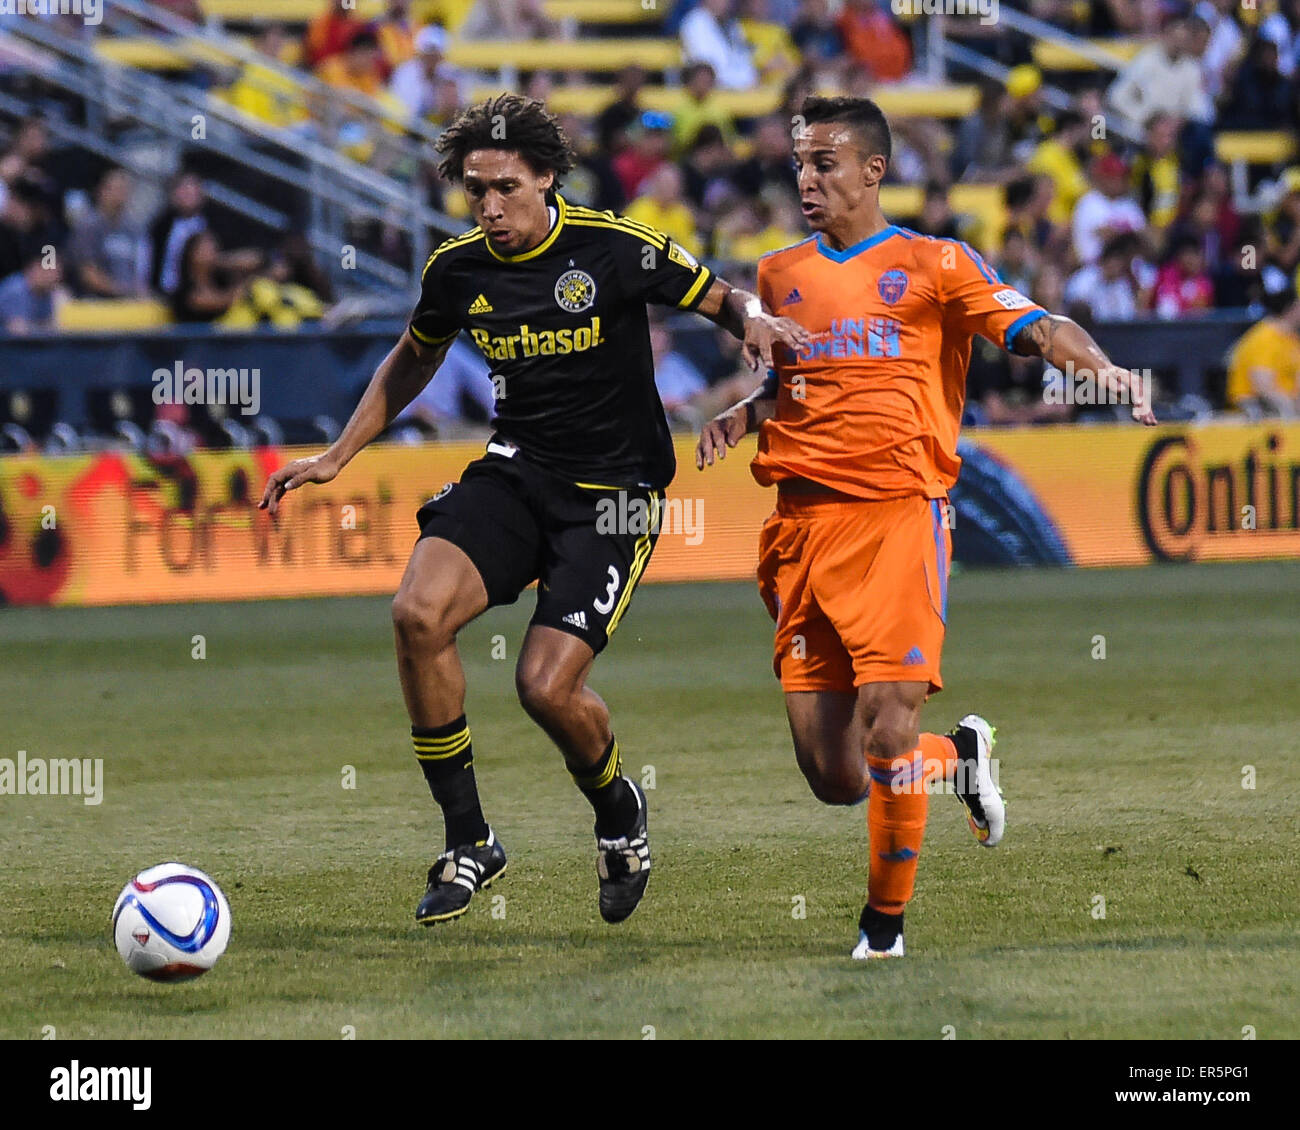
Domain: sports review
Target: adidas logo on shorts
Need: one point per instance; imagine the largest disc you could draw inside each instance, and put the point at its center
(577, 619)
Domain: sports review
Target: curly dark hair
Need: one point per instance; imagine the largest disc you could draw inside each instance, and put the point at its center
(521, 125)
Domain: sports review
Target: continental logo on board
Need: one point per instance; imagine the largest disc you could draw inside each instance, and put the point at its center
(1194, 503)
(537, 343)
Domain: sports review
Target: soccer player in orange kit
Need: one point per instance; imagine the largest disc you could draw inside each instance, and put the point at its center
(858, 432)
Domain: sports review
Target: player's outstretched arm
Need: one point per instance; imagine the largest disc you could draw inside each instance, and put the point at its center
(742, 315)
(1062, 342)
(727, 428)
(398, 380)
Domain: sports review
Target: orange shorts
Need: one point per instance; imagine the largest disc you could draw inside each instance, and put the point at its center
(858, 590)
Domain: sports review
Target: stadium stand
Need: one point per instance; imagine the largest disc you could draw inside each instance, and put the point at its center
(297, 134)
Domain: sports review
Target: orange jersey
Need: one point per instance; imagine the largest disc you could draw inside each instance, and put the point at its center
(872, 408)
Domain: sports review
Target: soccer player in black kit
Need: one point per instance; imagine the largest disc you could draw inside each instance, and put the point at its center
(555, 296)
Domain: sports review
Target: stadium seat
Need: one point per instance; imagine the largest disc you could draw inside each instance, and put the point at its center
(1050, 56)
(281, 11)
(111, 315)
(1265, 147)
(601, 11)
(898, 102)
(985, 203)
(150, 54)
(604, 55)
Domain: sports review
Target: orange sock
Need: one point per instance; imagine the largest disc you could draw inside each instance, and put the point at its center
(896, 811)
(939, 757)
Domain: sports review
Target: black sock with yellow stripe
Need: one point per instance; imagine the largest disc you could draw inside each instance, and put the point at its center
(609, 792)
(447, 758)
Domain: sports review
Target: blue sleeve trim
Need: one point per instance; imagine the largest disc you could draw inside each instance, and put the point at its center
(771, 384)
(1020, 323)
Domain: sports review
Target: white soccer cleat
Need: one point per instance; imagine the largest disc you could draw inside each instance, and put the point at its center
(879, 935)
(863, 951)
(976, 789)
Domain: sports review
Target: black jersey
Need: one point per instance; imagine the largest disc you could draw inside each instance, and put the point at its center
(564, 328)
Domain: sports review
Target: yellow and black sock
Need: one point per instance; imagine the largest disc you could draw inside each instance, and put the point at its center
(447, 759)
(609, 792)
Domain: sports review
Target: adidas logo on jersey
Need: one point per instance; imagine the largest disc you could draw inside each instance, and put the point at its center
(480, 305)
(576, 619)
(913, 657)
(793, 297)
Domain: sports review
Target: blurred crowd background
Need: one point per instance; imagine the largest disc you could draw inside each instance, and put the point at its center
(1162, 188)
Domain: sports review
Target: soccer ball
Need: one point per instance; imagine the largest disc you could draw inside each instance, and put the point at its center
(171, 923)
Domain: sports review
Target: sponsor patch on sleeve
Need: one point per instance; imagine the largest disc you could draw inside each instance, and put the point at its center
(1012, 299)
(678, 254)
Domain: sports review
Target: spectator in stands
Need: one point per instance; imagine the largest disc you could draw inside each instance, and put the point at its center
(415, 82)
(1018, 262)
(817, 36)
(508, 19)
(874, 40)
(700, 108)
(1163, 77)
(775, 54)
(768, 166)
(1237, 282)
(1200, 223)
(1260, 96)
(1217, 185)
(1282, 27)
(265, 94)
(710, 174)
(293, 264)
(359, 67)
(1226, 42)
(1105, 291)
(937, 218)
(21, 216)
(27, 297)
(205, 288)
(711, 34)
(592, 180)
(330, 33)
(1060, 156)
(1184, 287)
(1029, 202)
(649, 143)
(983, 147)
(1156, 176)
(463, 393)
(396, 35)
(1106, 209)
(1023, 109)
(752, 228)
(184, 217)
(615, 119)
(108, 254)
(660, 205)
(678, 382)
(1264, 365)
(1282, 243)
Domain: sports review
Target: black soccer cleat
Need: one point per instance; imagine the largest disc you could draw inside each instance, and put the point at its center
(456, 875)
(623, 865)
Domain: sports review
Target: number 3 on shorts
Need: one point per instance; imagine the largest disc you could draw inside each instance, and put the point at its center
(604, 607)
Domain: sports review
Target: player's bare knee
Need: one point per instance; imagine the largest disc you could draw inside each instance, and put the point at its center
(422, 623)
(544, 692)
(888, 740)
(834, 781)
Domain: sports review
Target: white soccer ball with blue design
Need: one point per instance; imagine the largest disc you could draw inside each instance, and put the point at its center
(171, 923)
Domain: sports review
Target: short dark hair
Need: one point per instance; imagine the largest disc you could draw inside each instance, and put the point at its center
(860, 114)
(509, 122)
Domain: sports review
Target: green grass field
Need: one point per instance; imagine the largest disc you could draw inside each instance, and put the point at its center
(1123, 778)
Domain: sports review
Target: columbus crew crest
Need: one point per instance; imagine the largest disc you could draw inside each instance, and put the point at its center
(575, 291)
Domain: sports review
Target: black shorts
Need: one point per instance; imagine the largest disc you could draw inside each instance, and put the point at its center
(586, 546)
